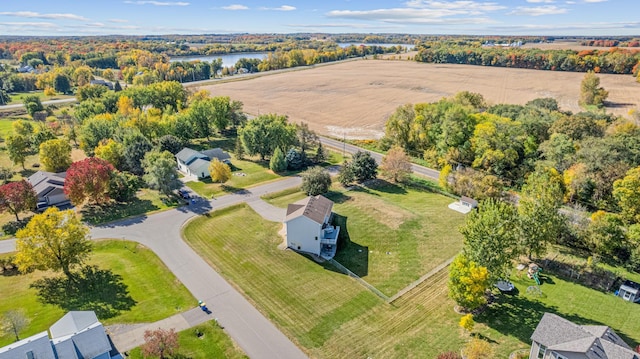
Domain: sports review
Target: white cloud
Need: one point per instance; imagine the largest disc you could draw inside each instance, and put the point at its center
(344, 25)
(36, 15)
(158, 3)
(470, 6)
(570, 2)
(118, 21)
(414, 16)
(564, 28)
(594, 1)
(538, 10)
(236, 7)
(45, 25)
(542, 1)
(280, 8)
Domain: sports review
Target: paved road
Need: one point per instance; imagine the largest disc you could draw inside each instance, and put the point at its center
(339, 145)
(50, 102)
(161, 232)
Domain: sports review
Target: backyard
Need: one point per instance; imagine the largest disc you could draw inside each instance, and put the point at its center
(153, 291)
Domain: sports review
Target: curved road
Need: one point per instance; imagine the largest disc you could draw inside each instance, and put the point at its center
(161, 232)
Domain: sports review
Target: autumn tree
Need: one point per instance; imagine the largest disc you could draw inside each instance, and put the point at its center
(160, 171)
(17, 197)
(468, 283)
(162, 343)
(539, 219)
(591, 94)
(477, 348)
(111, 151)
(467, 322)
(491, 237)
(364, 166)
(13, 322)
(396, 165)
(32, 104)
(18, 149)
(315, 181)
(88, 180)
(627, 193)
(53, 240)
(220, 172)
(55, 155)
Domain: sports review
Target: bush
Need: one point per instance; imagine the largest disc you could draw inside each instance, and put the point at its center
(277, 163)
(364, 166)
(295, 160)
(449, 355)
(316, 181)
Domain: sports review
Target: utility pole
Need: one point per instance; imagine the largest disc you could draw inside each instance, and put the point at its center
(344, 144)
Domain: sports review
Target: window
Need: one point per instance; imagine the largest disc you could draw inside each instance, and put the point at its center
(316, 238)
(541, 350)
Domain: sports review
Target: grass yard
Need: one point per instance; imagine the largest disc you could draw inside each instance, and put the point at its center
(212, 342)
(156, 292)
(396, 234)
(325, 312)
(147, 201)
(18, 97)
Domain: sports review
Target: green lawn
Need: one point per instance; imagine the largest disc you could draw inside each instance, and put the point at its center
(396, 234)
(212, 342)
(18, 97)
(156, 292)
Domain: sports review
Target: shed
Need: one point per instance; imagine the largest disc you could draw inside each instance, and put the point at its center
(468, 202)
(629, 290)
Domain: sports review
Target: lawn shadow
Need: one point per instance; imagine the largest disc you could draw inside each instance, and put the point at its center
(95, 215)
(353, 256)
(381, 185)
(337, 197)
(99, 290)
(518, 316)
(231, 189)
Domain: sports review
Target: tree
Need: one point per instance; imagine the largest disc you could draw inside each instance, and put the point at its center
(55, 155)
(32, 104)
(315, 181)
(61, 83)
(82, 76)
(266, 132)
(55, 240)
(295, 159)
(490, 237)
(627, 194)
(278, 162)
(364, 166)
(468, 283)
(539, 219)
(321, 154)
(160, 171)
(396, 165)
(160, 342)
(346, 175)
(17, 197)
(170, 143)
(18, 148)
(13, 321)
(239, 149)
(606, 237)
(123, 186)
(136, 147)
(5, 174)
(220, 172)
(88, 180)
(307, 138)
(91, 92)
(5, 98)
(111, 151)
(467, 323)
(477, 348)
(591, 94)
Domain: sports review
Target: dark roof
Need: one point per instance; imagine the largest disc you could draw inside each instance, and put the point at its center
(315, 208)
(188, 155)
(45, 182)
(216, 153)
(594, 341)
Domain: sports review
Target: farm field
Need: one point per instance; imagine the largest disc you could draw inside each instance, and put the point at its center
(355, 98)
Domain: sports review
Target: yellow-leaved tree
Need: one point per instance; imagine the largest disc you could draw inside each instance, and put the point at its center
(468, 283)
(220, 172)
(53, 240)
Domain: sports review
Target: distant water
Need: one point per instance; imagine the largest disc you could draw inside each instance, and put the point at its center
(228, 60)
(347, 44)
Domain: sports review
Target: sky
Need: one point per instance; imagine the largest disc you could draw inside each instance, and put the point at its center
(154, 17)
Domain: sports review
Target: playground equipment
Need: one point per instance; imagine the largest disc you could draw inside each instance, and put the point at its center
(533, 272)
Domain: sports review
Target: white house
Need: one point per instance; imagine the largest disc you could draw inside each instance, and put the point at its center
(49, 188)
(194, 163)
(558, 338)
(308, 229)
(77, 335)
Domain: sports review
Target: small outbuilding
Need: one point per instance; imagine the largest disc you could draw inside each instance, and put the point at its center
(464, 205)
(630, 291)
(468, 202)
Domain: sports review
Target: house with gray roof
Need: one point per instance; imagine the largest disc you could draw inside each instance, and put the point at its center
(77, 335)
(558, 338)
(49, 189)
(307, 227)
(195, 163)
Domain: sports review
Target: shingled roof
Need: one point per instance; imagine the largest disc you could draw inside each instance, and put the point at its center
(594, 341)
(315, 208)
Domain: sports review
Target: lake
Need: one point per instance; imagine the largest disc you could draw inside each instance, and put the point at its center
(228, 60)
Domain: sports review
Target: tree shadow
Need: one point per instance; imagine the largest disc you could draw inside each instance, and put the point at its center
(337, 197)
(94, 214)
(353, 256)
(612, 104)
(385, 186)
(12, 227)
(99, 290)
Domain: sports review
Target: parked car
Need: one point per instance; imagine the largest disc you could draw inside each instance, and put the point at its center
(184, 193)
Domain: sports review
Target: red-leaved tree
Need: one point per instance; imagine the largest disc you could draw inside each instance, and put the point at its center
(88, 180)
(17, 197)
(160, 342)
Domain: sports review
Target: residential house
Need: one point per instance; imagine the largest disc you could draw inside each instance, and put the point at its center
(195, 163)
(77, 335)
(308, 229)
(558, 338)
(49, 189)
(101, 82)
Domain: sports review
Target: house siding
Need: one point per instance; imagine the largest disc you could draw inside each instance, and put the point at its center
(302, 233)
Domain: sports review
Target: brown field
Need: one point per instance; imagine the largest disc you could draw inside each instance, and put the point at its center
(568, 45)
(355, 98)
